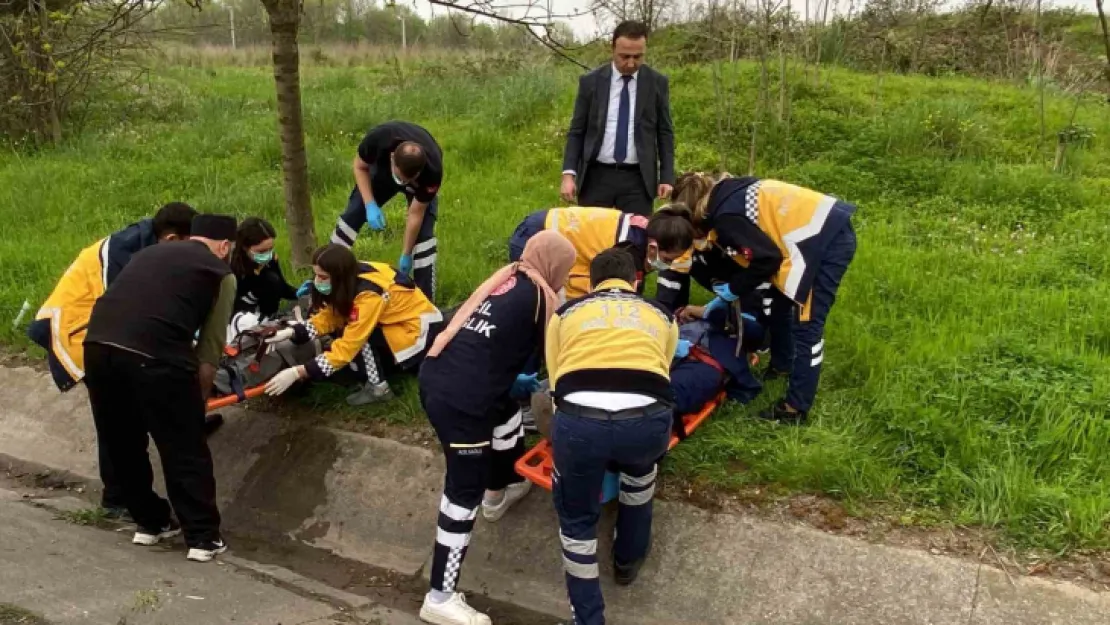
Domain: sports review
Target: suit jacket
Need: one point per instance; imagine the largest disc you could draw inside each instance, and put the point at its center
(653, 131)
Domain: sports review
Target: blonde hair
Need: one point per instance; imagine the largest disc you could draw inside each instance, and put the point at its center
(692, 189)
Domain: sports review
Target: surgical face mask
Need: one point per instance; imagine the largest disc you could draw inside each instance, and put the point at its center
(262, 258)
(323, 286)
(659, 265)
(397, 179)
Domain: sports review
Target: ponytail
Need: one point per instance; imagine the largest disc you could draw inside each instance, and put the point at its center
(693, 189)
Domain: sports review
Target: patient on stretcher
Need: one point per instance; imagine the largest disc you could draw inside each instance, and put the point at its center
(718, 360)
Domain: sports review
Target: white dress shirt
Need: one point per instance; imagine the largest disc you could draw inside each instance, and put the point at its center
(609, 141)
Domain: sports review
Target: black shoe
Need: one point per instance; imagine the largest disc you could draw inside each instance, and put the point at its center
(625, 574)
(212, 423)
(773, 374)
(779, 413)
(117, 513)
(207, 550)
(148, 537)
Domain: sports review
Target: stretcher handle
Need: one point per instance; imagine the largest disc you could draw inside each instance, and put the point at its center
(230, 400)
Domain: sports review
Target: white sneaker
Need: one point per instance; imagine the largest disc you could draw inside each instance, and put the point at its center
(149, 538)
(207, 550)
(454, 611)
(513, 494)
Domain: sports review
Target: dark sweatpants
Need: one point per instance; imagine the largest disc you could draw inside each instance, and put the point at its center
(799, 346)
(39, 332)
(423, 251)
(133, 396)
(480, 454)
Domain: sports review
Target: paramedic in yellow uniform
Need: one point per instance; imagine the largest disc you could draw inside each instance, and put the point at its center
(379, 312)
(659, 243)
(754, 231)
(62, 322)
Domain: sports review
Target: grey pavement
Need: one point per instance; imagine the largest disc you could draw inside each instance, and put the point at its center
(68, 573)
(376, 501)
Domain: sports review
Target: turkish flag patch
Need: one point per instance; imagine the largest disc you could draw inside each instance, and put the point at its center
(353, 317)
(747, 252)
(504, 287)
(433, 189)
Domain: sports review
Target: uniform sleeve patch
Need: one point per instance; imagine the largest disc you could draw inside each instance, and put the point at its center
(505, 287)
(353, 317)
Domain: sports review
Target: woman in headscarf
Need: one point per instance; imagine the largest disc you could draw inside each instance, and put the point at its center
(465, 384)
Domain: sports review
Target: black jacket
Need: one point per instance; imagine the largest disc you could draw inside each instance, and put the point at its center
(654, 131)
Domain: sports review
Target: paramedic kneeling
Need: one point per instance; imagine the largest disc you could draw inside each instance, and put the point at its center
(608, 355)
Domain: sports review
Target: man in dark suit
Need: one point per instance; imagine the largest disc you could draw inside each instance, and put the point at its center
(620, 146)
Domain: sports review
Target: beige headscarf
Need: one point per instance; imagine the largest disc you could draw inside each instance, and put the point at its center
(547, 260)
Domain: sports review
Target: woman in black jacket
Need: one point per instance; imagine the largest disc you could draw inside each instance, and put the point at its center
(262, 286)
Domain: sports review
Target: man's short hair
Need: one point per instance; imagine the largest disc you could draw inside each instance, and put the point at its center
(630, 29)
(174, 218)
(612, 264)
(409, 158)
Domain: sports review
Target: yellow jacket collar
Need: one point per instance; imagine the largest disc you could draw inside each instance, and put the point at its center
(614, 283)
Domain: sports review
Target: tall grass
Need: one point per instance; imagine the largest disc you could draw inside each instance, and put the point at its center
(967, 370)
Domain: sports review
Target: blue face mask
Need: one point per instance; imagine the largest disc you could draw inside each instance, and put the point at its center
(324, 287)
(263, 258)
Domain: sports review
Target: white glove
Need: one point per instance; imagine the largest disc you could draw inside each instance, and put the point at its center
(283, 334)
(282, 381)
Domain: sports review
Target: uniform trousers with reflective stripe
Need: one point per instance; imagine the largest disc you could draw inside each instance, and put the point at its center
(480, 452)
(799, 346)
(353, 218)
(584, 449)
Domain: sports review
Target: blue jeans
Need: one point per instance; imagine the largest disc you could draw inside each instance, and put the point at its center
(799, 346)
(584, 448)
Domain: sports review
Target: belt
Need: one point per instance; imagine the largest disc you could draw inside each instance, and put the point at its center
(589, 412)
(617, 166)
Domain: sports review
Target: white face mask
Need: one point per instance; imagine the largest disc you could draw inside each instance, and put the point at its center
(659, 265)
(400, 183)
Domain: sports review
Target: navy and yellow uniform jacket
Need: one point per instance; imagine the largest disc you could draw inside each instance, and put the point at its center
(71, 302)
(594, 230)
(611, 340)
(476, 370)
(384, 299)
(770, 231)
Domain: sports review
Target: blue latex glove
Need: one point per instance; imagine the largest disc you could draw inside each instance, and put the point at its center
(524, 385)
(713, 305)
(405, 264)
(682, 350)
(304, 289)
(725, 293)
(374, 217)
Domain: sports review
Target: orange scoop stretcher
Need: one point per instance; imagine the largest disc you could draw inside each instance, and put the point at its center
(215, 403)
(537, 463)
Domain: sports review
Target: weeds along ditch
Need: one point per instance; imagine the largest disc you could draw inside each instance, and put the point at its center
(967, 371)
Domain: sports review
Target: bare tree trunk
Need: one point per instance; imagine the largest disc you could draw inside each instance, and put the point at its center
(1040, 69)
(782, 61)
(1105, 36)
(805, 45)
(284, 23)
(752, 150)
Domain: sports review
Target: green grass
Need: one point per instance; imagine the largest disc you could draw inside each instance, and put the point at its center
(15, 615)
(967, 371)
